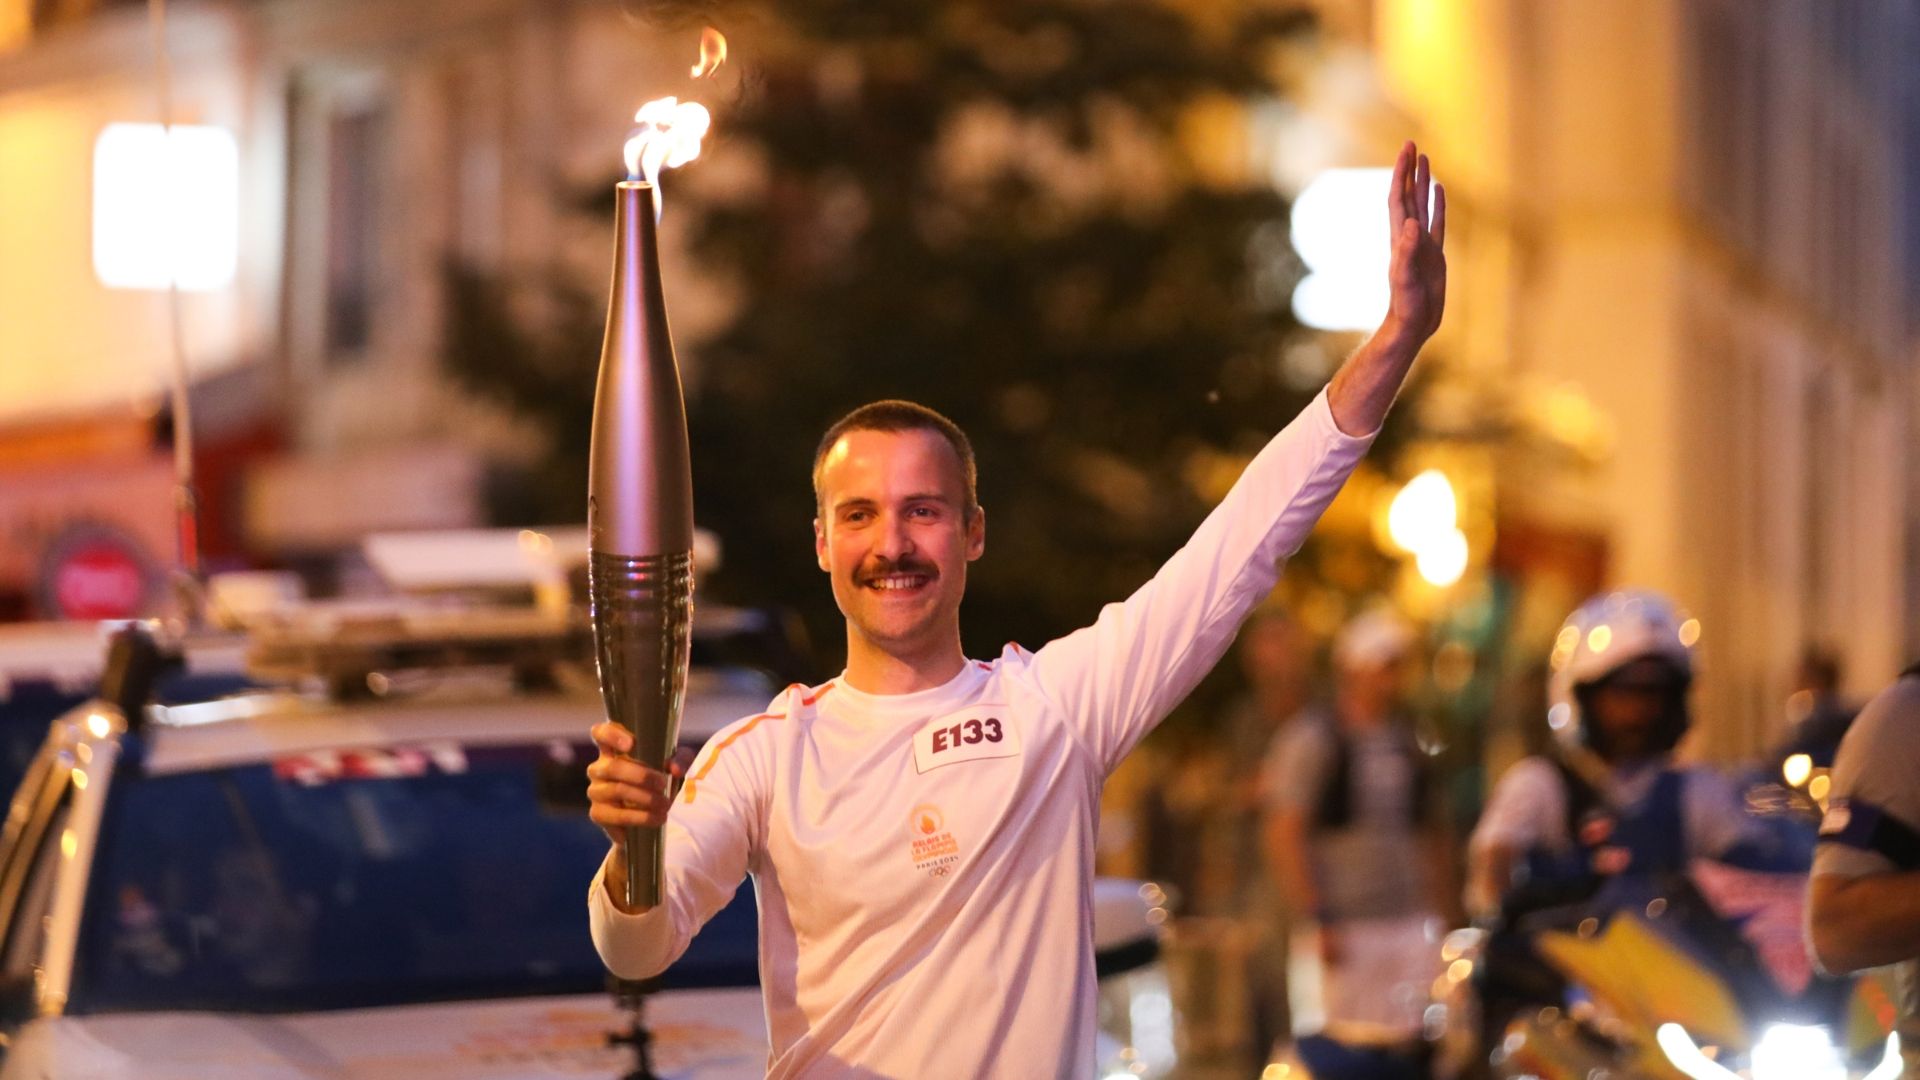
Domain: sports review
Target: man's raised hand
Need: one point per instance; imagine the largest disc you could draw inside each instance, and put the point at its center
(1363, 389)
(1417, 275)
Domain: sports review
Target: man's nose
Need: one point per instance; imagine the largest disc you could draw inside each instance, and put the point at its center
(894, 540)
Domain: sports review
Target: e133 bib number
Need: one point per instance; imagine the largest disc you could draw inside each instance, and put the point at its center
(969, 735)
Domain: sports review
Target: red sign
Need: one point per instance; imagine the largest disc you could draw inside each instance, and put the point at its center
(98, 579)
(382, 763)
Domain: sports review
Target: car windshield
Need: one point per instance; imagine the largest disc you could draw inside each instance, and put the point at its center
(337, 880)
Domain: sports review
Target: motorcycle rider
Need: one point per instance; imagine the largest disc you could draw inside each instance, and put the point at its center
(1609, 807)
(1611, 800)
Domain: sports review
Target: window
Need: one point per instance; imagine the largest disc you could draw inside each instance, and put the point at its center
(337, 176)
(358, 879)
(353, 170)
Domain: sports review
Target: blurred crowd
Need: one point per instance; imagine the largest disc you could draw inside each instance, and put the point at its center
(1318, 859)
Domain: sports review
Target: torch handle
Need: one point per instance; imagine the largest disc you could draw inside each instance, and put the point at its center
(642, 628)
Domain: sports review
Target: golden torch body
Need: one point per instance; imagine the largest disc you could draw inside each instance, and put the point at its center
(640, 517)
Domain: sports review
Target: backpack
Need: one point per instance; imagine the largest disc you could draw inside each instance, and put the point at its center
(1339, 798)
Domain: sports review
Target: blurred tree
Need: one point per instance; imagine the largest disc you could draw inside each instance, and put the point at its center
(1007, 212)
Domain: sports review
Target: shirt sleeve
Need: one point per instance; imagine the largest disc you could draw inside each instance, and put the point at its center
(712, 831)
(1873, 800)
(1116, 679)
(1528, 809)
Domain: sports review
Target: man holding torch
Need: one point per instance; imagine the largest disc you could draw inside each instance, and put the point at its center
(920, 830)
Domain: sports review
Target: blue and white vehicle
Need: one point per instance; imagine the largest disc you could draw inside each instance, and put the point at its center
(266, 882)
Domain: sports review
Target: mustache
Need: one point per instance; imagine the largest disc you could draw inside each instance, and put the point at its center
(881, 567)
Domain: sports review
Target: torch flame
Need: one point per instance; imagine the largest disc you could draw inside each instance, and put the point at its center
(713, 53)
(667, 134)
(667, 131)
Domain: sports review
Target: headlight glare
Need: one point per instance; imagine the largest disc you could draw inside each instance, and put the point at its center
(1686, 1056)
(1797, 1052)
(1784, 1052)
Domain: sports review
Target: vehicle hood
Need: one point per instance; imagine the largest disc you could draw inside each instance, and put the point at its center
(697, 1035)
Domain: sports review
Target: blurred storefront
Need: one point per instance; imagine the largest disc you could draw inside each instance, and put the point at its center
(1679, 350)
(354, 150)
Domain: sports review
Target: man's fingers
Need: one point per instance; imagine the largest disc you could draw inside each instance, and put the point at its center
(626, 796)
(626, 792)
(1422, 181)
(612, 737)
(1397, 188)
(1405, 243)
(1439, 229)
(1406, 181)
(626, 771)
(682, 761)
(619, 817)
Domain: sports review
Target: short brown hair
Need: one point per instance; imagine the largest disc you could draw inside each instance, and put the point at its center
(894, 416)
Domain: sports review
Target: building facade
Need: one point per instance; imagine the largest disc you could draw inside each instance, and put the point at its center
(1686, 262)
(377, 143)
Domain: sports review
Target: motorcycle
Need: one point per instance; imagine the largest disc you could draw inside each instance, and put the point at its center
(1700, 974)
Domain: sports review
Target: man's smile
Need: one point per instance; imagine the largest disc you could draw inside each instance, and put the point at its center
(901, 583)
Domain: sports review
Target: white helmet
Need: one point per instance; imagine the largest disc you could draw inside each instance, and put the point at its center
(1605, 634)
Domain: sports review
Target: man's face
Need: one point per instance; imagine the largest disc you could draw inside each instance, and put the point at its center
(1373, 688)
(1628, 706)
(894, 534)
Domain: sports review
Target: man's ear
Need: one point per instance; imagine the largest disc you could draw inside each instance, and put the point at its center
(977, 533)
(820, 545)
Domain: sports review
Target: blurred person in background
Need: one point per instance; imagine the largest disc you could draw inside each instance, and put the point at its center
(1863, 905)
(1359, 846)
(1609, 806)
(1817, 716)
(1276, 660)
(1611, 799)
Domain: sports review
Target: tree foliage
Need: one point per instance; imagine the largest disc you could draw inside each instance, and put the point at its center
(997, 210)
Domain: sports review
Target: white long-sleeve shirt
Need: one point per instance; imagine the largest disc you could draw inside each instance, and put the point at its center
(923, 862)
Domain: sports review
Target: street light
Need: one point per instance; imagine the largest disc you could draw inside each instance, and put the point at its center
(166, 207)
(1443, 560)
(1422, 511)
(1341, 233)
(1424, 519)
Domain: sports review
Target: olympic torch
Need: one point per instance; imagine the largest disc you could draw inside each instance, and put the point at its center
(640, 484)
